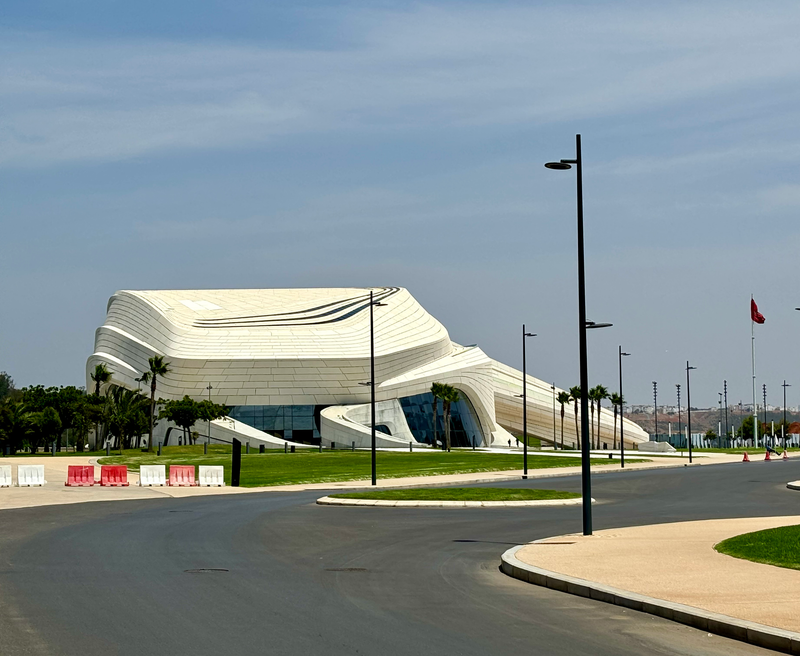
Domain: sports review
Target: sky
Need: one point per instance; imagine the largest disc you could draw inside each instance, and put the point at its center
(210, 144)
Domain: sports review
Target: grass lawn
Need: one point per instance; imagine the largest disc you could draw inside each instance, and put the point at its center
(279, 468)
(774, 546)
(460, 494)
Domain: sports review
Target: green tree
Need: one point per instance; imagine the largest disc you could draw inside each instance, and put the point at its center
(6, 385)
(157, 368)
(597, 395)
(101, 375)
(616, 403)
(46, 426)
(437, 391)
(183, 413)
(745, 431)
(125, 415)
(563, 398)
(710, 436)
(15, 425)
(209, 411)
(575, 395)
(450, 395)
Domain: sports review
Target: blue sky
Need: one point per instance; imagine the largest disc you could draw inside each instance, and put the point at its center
(207, 144)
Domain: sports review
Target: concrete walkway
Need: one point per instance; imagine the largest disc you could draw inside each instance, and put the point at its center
(56, 475)
(678, 563)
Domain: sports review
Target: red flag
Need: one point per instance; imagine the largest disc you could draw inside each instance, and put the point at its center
(755, 315)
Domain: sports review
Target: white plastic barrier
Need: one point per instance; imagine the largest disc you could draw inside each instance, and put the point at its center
(5, 475)
(212, 475)
(152, 475)
(30, 475)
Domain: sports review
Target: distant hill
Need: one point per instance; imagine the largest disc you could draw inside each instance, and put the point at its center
(702, 420)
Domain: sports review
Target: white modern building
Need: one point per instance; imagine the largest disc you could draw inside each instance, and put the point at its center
(293, 365)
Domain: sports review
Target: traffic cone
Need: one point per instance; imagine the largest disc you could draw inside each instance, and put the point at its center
(785, 455)
(766, 457)
(746, 457)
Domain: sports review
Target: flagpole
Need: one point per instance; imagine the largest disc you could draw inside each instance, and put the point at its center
(753, 365)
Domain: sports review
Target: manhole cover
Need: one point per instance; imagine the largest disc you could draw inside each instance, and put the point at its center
(346, 569)
(204, 570)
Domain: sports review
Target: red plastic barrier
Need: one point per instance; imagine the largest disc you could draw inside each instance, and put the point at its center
(181, 475)
(80, 476)
(113, 475)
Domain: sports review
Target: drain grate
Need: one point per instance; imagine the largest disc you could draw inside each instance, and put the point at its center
(204, 570)
(347, 569)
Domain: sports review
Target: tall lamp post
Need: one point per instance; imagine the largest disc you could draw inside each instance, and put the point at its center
(689, 410)
(372, 304)
(621, 412)
(783, 427)
(583, 326)
(680, 426)
(553, 390)
(655, 406)
(525, 403)
(719, 430)
(725, 394)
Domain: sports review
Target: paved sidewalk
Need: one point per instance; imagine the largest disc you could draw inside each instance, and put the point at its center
(56, 475)
(677, 563)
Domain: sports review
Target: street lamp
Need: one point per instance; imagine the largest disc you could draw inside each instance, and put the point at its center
(621, 413)
(655, 406)
(725, 394)
(764, 391)
(680, 426)
(783, 428)
(583, 325)
(689, 410)
(719, 430)
(553, 390)
(525, 404)
(372, 304)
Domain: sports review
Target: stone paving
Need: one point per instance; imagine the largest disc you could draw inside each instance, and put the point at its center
(677, 562)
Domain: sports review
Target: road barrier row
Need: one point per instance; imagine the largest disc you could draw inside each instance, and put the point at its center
(117, 476)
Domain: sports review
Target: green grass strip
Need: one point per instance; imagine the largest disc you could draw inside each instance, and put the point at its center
(460, 494)
(773, 546)
(309, 466)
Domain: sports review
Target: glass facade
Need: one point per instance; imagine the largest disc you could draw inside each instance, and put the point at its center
(299, 423)
(465, 429)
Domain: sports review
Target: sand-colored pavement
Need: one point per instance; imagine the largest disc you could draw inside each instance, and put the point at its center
(677, 562)
(55, 491)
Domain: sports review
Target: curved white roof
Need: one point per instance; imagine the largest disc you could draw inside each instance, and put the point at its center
(273, 323)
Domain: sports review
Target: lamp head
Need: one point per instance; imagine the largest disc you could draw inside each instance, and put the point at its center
(558, 166)
(623, 353)
(530, 334)
(594, 324)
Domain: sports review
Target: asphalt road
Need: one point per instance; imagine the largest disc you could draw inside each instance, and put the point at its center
(115, 578)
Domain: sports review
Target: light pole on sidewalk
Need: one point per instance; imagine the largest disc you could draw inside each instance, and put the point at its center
(583, 326)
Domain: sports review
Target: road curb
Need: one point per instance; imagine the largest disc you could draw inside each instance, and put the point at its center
(753, 633)
(385, 503)
(793, 485)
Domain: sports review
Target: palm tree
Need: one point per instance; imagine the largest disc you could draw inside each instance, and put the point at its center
(598, 393)
(616, 402)
(15, 424)
(100, 376)
(437, 391)
(592, 399)
(563, 398)
(451, 396)
(157, 368)
(575, 395)
(126, 415)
